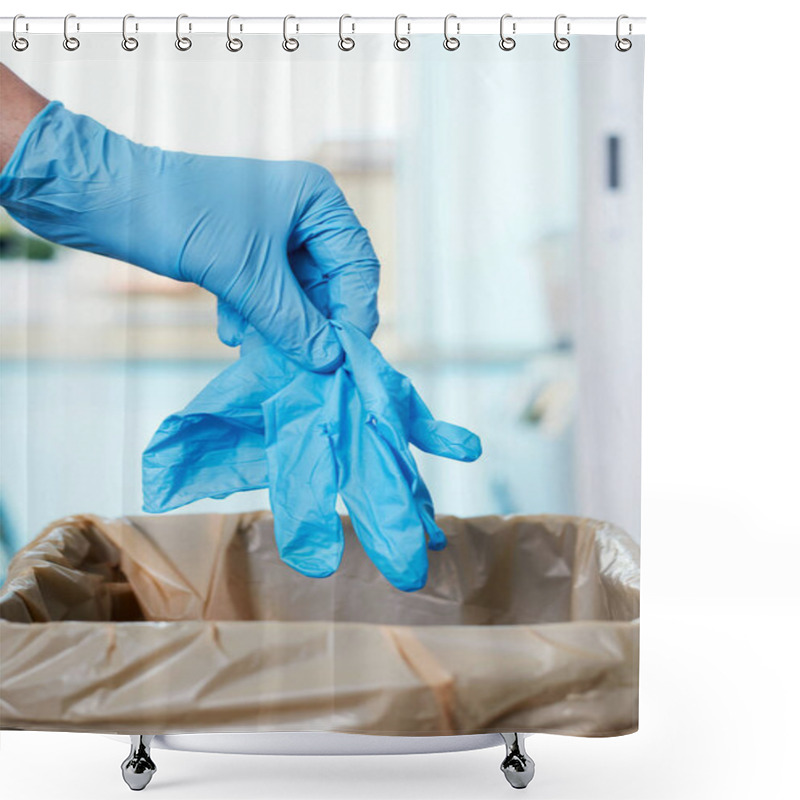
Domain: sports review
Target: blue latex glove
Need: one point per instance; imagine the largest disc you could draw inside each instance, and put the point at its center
(308, 436)
(349, 431)
(227, 224)
(215, 446)
(234, 226)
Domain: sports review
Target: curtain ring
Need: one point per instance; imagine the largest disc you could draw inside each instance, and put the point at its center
(19, 43)
(451, 42)
(289, 44)
(346, 42)
(129, 43)
(70, 42)
(561, 43)
(234, 45)
(507, 42)
(183, 43)
(623, 45)
(401, 43)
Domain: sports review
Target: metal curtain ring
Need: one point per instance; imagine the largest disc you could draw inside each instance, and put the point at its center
(129, 43)
(623, 45)
(451, 42)
(507, 42)
(289, 44)
(183, 43)
(561, 43)
(19, 43)
(234, 45)
(70, 42)
(346, 42)
(401, 42)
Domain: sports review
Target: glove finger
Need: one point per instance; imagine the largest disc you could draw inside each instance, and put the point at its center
(230, 324)
(407, 468)
(438, 437)
(302, 470)
(445, 439)
(342, 253)
(391, 395)
(385, 517)
(424, 501)
(379, 500)
(391, 402)
(303, 484)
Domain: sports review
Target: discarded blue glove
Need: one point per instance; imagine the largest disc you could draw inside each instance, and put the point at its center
(350, 431)
(228, 224)
(308, 436)
(215, 446)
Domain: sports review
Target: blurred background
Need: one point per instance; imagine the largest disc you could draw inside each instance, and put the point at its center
(502, 193)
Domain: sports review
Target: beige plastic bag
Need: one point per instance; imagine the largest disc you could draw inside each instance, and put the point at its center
(192, 623)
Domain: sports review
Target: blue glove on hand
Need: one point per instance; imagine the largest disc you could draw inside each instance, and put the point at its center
(227, 224)
(308, 436)
(279, 246)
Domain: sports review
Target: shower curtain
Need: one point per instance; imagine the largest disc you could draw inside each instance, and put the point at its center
(148, 387)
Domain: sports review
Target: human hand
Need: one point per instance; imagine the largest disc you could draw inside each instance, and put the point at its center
(228, 224)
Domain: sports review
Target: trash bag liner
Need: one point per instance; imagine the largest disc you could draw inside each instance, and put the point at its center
(192, 623)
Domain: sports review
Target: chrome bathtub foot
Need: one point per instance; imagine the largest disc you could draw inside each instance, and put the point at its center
(138, 768)
(517, 766)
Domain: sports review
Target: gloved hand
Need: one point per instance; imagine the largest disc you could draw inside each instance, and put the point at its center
(233, 226)
(308, 436)
(227, 224)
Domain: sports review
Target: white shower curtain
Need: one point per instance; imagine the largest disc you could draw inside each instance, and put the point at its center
(510, 287)
(501, 192)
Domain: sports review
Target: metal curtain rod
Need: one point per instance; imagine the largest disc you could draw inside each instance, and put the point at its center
(460, 26)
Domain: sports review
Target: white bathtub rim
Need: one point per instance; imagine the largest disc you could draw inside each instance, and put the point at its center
(321, 743)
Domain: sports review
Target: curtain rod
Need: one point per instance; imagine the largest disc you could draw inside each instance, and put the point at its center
(328, 25)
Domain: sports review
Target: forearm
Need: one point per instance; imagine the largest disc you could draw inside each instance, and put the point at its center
(19, 104)
(75, 182)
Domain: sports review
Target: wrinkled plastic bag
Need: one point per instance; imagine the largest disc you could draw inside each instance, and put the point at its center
(192, 623)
